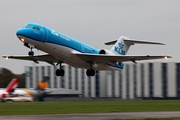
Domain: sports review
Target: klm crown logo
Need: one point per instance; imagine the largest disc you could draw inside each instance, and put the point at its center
(119, 48)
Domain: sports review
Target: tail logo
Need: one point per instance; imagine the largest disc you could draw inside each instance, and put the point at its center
(119, 49)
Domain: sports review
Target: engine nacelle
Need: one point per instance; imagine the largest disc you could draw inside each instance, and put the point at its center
(3, 95)
(104, 51)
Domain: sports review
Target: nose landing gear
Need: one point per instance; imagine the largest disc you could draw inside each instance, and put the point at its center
(31, 53)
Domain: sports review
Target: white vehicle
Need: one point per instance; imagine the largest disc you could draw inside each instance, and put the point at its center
(17, 99)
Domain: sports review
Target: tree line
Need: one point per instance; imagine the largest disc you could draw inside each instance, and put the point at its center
(6, 76)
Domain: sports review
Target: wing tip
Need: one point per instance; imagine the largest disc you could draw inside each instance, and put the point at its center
(6, 57)
(166, 57)
(162, 44)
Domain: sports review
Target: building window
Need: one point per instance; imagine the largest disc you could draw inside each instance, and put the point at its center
(89, 86)
(31, 76)
(135, 80)
(178, 79)
(164, 79)
(82, 81)
(37, 74)
(42, 71)
(127, 81)
(55, 79)
(97, 84)
(151, 80)
(70, 80)
(120, 84)
(63, 81)
(113, 86)
(49, 75)
(76, 78)
(142, 80)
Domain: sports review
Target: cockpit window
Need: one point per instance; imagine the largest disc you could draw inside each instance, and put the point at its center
(36, 28)
(28, 26)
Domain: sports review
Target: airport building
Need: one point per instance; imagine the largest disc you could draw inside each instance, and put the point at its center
(135, 81)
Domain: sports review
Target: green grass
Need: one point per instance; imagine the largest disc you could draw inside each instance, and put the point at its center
(88, 106)
(150, 119)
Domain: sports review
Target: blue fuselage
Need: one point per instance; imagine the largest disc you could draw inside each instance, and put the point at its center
(59, 45)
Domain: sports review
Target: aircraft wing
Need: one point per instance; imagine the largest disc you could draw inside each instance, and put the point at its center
(96, 58)
(45, 58)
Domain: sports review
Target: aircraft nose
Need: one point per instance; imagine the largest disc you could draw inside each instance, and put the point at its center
(20, 32)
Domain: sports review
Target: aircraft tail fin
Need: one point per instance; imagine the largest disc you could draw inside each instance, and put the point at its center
(122, 45)
(12, 85)
(43, 84)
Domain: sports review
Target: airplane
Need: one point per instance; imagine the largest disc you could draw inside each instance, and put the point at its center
(63, 49)
(37, 93)
(9, 89)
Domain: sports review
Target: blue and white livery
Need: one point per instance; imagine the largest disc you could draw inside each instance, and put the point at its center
(63, 49)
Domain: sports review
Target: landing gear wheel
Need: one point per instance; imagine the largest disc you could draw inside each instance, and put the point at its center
(60, 72)
(90, 72)
(31, 53)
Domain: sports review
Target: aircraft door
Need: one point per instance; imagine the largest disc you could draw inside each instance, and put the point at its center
(45, 35)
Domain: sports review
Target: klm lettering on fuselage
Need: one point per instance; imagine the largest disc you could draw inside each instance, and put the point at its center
(119, 49)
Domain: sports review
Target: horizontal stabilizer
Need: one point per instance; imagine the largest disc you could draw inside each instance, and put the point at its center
(132, 42)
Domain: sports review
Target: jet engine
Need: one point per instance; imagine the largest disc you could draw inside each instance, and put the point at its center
(3, 95)
(104, 51)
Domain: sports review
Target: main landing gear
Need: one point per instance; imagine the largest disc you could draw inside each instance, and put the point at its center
(90, 72)
(60, 71)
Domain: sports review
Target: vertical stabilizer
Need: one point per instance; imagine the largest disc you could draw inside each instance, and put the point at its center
(120, 47)
(12, 85)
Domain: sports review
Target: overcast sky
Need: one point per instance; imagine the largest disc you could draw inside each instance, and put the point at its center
(93, 22)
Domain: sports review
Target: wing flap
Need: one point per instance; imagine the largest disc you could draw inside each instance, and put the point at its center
(115, 58)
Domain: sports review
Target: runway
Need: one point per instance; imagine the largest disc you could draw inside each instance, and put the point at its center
(93, 116)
